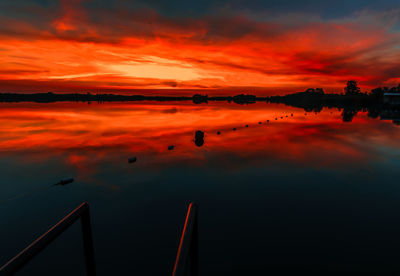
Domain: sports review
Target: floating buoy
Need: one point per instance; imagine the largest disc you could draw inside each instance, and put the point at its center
(171, 147)
(132, 159)
(199, 138)
(218, 132)
(234, 128)
(259, 123)
(65, 181)
(267, 121)
(247, 125)
(276, 118)
(291, 115)
(281, 117)
(199, 135)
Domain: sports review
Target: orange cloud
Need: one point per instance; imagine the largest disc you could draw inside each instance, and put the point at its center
(142, 49)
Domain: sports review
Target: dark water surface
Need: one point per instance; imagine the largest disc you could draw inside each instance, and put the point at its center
(300, 195)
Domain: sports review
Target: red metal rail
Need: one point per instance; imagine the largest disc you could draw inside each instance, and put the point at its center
(82, 212)
(186, 262)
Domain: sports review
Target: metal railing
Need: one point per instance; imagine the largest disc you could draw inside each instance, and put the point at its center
(187, 258)
(82, 212)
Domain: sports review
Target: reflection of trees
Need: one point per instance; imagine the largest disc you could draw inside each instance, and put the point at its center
(315, 108)
(199, 138)
(374, 111)
(348, 114)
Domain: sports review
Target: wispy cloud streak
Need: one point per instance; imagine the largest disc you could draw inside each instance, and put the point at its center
(140, 46)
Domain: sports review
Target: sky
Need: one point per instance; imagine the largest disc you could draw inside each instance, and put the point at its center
(265, 46)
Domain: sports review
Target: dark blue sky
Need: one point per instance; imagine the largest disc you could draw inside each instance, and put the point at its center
(179, 8)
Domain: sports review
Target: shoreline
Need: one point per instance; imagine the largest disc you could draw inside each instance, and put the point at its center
(88, 97)
(299, 98)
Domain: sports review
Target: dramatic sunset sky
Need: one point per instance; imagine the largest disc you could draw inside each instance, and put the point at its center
(271, 45)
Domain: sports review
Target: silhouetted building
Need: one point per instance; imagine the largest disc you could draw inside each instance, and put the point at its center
(391, 98)
(391, 114)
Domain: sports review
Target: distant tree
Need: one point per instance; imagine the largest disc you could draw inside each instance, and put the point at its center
(242, 99)
(198, 98)
(352, 88)
(377, 92)
(315, 91)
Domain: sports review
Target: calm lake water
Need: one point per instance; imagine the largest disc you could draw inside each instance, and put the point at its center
(306, 194)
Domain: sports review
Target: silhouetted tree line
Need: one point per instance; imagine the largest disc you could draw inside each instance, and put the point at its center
(351, 102)
(312, 100)
(239, 99)
(88, 97)
(319, 91)
(380, 91)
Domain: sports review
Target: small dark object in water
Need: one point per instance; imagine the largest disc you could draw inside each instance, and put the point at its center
(199, 138)
(287, 116)
(267, 121)
(132, 159)
(65, 181)
(199, 134)
(281, 117)
(276, 118)
(171, 147)
(218, 132)
(259, 123)
(234, 128)
(291, 115)
(247, 125)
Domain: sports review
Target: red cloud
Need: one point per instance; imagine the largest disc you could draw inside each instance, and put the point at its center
(103, 49)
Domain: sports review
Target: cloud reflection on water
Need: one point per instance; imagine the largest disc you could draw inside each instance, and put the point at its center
(93, 133)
